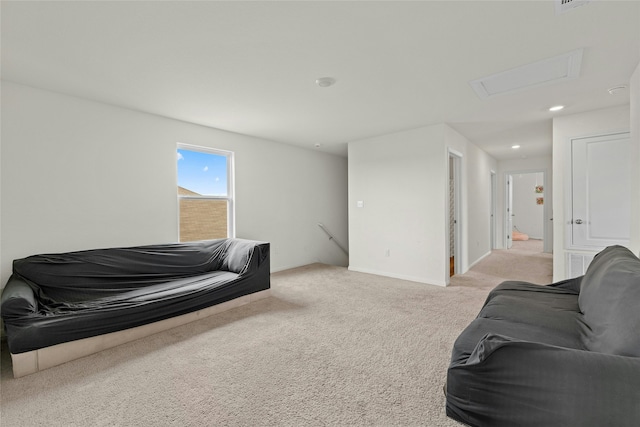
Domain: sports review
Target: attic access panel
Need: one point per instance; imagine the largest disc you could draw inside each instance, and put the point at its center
(541, 73)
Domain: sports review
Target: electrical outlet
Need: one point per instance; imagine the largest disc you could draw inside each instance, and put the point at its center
(387, 253)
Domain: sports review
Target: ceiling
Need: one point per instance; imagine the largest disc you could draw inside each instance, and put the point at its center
(250, 67)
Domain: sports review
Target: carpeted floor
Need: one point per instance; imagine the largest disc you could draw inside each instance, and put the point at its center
(330, 347)
(524, 261)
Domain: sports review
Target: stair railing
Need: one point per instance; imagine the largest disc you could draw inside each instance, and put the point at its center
(332, 237)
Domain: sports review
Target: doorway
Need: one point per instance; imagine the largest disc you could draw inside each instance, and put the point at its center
(492, 213)
(526, 223)
(454, 219)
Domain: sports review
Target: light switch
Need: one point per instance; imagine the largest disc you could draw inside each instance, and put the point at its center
(360, 204)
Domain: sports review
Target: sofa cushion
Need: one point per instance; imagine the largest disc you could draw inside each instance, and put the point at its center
(610, 301)
(521, 302)
(528, 312)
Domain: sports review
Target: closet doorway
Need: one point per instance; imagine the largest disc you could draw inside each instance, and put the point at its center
(454, 217)
(492, 214)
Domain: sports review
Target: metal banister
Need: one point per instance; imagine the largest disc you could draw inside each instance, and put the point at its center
(332, 237)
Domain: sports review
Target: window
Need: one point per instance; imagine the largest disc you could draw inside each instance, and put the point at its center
(205, 193)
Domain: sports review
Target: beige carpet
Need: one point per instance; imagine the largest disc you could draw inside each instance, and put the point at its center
(330, 347)
(524, 261)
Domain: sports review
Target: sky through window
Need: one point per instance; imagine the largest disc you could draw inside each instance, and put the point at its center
(203, 173)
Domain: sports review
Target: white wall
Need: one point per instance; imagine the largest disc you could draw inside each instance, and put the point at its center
(527, 165)
(401, 178)
(78, 174)
(565, 128)
(528, 215)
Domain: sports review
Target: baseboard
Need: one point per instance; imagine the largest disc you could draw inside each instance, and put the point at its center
(478, 260)
(279, 269)
(37, 360)
(399, 276)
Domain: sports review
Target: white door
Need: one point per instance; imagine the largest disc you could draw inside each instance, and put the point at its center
(509, 220)
(601, 184)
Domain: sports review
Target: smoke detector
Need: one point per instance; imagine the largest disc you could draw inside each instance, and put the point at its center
(325, 81)
(563, 6)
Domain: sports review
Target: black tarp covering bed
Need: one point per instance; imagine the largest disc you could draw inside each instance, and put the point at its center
(567, 354)
(56, 298)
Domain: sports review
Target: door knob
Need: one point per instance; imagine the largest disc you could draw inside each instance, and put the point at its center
(578, 221)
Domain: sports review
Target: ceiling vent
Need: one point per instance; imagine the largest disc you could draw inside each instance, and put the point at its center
(551, 70)
(563, 6)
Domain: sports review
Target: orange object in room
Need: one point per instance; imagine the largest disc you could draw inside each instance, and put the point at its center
(516, 235)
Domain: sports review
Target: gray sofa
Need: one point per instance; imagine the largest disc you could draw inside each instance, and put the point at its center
(566, 354)
(57, 307)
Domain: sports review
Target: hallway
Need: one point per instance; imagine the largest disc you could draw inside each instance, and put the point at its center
(525, 261)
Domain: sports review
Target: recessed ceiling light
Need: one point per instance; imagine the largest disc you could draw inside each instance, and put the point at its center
(515, 147)
(325, 81)
(556, 108)
(617, 89)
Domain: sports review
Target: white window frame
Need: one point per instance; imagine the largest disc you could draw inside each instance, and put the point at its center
(230, 198)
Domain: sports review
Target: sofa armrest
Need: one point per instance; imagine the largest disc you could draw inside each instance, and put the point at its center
(570, 284)
(508, 382)
(17, 299)
(244, 256)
